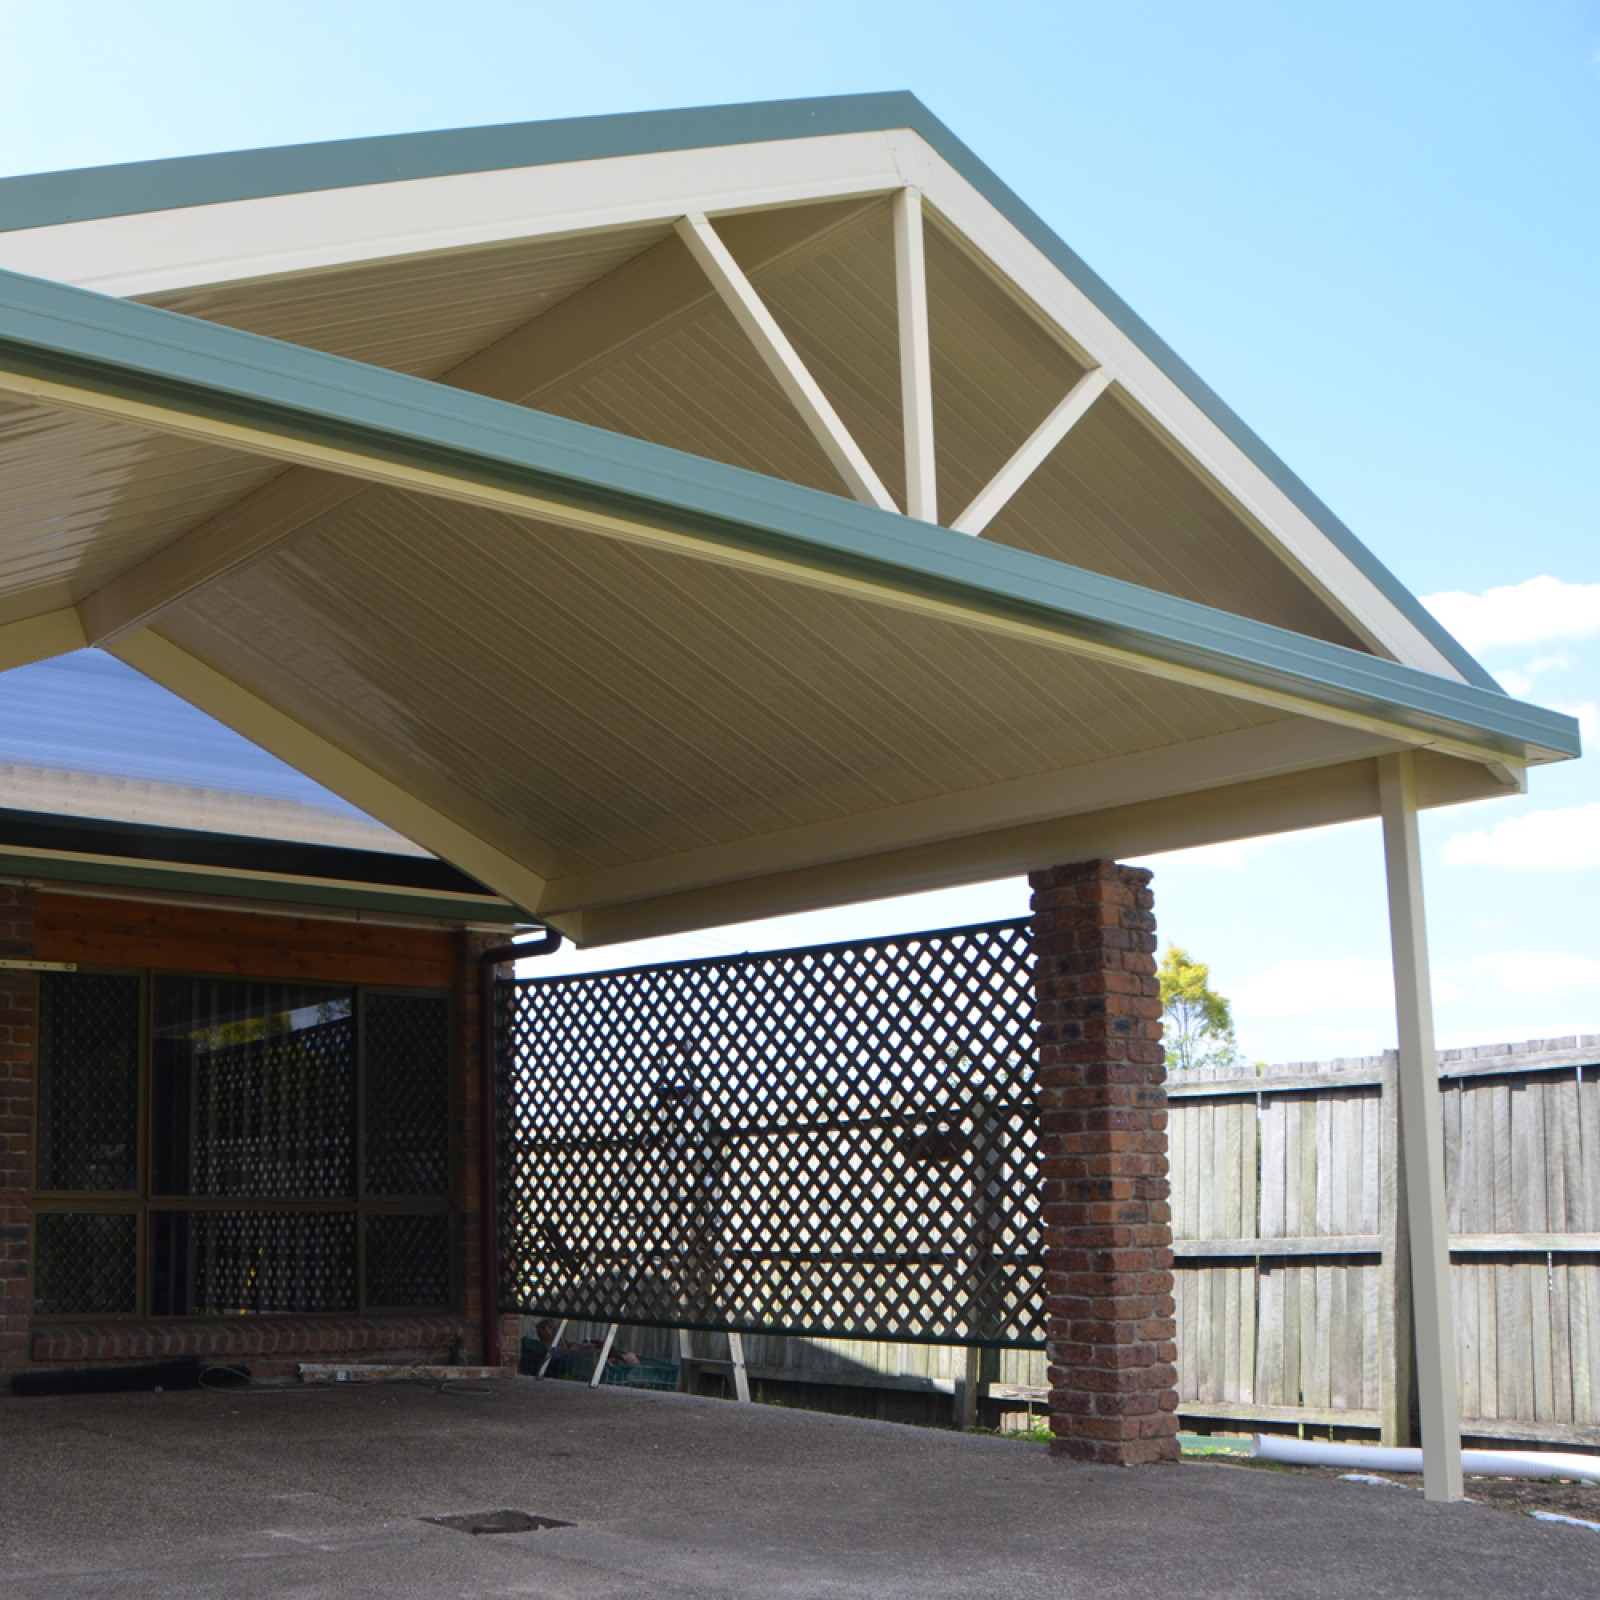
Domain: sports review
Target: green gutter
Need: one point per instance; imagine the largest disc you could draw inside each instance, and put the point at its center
(109, 347)
(47, 199)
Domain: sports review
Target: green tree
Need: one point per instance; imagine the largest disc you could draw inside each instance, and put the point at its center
(1198, 1021)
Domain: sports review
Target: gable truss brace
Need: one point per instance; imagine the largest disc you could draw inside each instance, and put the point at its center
(992, 499)
(783, 361)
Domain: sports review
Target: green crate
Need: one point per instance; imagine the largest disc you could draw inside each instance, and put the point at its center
(577, 1366)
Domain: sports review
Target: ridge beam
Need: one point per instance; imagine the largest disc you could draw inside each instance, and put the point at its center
(992, 499)
(783, 360)
(916, 360)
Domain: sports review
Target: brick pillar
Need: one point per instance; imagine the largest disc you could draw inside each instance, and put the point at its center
(17, 1013)
(469, 1239)
(1103, 1142)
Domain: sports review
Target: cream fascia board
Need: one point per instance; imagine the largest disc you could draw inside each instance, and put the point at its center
(1088, 328)
(335, 769)
(1266, 751)
(279, 235)
(1032, 454)
(148, 368)
(916, 357)
(783, 361)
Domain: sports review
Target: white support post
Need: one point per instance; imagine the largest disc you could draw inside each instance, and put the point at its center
(782, 360)
(916, 360)
(992, 498)
(1421, 1135)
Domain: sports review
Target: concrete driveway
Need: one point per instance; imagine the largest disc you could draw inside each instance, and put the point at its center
(319, 1493)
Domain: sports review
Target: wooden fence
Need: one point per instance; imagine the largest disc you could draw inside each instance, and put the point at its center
(1290, 1249)
(1289, 1278)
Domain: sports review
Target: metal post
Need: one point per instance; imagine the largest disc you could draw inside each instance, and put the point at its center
(1421, 1135)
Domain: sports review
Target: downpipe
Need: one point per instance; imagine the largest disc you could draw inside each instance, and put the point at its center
(1389, 1458)
(489, 1130)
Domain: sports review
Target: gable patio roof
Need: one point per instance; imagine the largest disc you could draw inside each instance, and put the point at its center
(630, 658)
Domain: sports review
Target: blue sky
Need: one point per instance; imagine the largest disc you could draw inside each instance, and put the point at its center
(1374, 228)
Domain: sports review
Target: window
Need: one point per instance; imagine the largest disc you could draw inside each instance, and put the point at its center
(224, 1146)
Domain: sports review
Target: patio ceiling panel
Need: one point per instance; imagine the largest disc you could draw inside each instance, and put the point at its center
(1116, 499)
(421, 314)
(587, 703)
(81, 498)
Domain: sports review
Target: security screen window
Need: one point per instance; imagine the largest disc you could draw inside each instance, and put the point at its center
(295, 1156)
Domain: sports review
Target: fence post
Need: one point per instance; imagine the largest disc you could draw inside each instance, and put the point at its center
(1397, 1348)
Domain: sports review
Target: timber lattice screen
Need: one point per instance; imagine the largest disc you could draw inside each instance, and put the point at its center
(833, 1142)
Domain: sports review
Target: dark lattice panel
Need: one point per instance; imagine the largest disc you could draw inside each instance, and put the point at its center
(254, 1091)
(212, 1263)
(408, 1261)
(88, 1092)
(832, 1142)
(407, 1047)
(85, 1263)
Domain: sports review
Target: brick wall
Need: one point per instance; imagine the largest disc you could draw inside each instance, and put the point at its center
(469, 1166)
(72, 928)
(1103, 1140)
(17, 1004)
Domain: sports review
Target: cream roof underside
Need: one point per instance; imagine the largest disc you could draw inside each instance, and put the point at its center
(654, 739)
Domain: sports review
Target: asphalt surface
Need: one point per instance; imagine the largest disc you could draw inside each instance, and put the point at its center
(306, 1494)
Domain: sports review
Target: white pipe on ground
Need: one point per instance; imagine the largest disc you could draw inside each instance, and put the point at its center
(1386, 1458)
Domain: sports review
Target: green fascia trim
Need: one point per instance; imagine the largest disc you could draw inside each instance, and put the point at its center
(112, 347)
(39, 200)
(176, 880)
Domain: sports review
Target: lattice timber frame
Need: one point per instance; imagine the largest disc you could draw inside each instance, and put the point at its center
(834, 1142)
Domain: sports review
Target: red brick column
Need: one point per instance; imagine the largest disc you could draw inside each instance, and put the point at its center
(469, 1169)
(1103, 1138)
(17, 1012)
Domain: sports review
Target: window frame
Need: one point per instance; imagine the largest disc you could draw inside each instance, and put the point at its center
(144, 1204)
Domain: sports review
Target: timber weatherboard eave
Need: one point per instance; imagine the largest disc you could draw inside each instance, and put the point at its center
(42, 200)
(67, 346)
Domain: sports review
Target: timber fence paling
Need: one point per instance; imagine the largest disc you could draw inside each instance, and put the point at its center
(1289, 1297)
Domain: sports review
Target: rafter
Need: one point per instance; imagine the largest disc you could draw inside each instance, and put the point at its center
(326, 763)
(783, 361)
(991, 500)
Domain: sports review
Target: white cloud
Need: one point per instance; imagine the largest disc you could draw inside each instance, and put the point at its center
(1520, 683)
(1300, 988)
(1519, 613)
(1552, 841)
(1329, 987)
(1588, 715)
(1541, 971)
